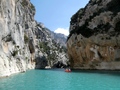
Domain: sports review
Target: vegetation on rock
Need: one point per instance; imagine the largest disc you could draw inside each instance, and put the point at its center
(26, 39)
(93, 42)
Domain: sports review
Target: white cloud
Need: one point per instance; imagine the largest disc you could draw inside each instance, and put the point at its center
(64, 31)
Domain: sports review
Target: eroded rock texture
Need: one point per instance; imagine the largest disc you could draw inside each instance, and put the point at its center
(94, 40)
(23, 41)
(16, 17)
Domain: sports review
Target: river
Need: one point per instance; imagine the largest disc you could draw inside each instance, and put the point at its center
(60, 80)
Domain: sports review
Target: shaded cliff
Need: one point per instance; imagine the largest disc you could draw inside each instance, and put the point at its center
(24, 43)
(94, 40)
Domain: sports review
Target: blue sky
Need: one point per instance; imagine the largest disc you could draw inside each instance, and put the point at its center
(56, 14)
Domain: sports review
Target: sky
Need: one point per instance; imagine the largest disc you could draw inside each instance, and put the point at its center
(56, 14)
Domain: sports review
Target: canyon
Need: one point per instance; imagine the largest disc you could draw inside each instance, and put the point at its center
(25, 43)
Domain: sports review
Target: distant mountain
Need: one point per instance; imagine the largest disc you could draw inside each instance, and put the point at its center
(58, 37)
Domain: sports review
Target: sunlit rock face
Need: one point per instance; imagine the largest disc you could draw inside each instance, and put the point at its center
(16, 22)
(23, 41)
(94, 40)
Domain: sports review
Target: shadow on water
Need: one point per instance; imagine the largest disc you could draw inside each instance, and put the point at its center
(53, 69)
(102, 72)
(108, 72)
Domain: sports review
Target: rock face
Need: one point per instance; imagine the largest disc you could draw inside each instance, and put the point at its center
(59, 38)
(16, 22)
(94, 40)
(24, 43)
(48, 51)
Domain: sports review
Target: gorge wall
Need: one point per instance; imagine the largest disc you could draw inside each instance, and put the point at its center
(24, 43)
(15, 54)
(94, 40)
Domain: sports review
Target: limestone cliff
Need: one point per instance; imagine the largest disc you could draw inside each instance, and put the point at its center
(94, 40)
(24, 43)
(16, 22)
(49, 52)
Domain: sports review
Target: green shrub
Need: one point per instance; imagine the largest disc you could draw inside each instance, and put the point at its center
(52, 56)
(15, 52)
(45, 46)
(26, 39)
(24, 3)
(32, 7)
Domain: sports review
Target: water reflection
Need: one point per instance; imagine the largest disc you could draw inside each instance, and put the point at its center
(109, 72)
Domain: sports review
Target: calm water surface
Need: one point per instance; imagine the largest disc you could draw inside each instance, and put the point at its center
(60, 80)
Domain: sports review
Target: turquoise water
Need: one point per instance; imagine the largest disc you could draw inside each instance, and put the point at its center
(60, 80)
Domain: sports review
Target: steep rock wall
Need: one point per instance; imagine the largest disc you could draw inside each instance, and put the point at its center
(94, 40)
(49, 52)
(24, 43)
(15, 54)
